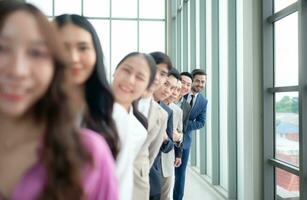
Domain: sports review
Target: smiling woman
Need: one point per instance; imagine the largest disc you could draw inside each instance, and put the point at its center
(43, 155)
(133, 75)
(90, 94)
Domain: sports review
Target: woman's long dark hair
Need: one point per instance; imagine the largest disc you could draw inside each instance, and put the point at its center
(62, 154)
(98, 94)
(152, 68)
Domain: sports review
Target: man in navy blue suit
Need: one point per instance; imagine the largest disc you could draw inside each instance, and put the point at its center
(197, 119)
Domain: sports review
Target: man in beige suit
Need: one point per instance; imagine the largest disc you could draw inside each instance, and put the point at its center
(157, 123)
(168, 160)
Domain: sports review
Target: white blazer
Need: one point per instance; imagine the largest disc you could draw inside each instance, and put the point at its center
(132, 135)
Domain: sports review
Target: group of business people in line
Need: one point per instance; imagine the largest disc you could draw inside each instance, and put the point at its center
(67, 134)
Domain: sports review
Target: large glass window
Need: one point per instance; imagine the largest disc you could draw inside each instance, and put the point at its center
(286, 51)
(281, 4)
(284, 96)
(287, 185)
(287, 127)
(122, 26)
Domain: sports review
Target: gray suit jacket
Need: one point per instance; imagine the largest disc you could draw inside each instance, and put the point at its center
(157, 122)
(167, 159)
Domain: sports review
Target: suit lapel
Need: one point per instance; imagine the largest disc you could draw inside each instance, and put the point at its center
(152, 118)
(195, 107)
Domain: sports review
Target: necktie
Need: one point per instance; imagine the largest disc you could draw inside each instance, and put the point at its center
(191, 102)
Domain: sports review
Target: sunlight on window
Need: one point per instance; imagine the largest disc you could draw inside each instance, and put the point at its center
(44, 5)
(67, 7)
(287, 185)
(127, 8)
(152, 36)
(124, 40)
(281, 4)
(102, 28)
(286, 51)
(287, 127)
(154, 9)
(97, 8)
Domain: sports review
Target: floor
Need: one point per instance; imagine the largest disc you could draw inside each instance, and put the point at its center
(198, 189)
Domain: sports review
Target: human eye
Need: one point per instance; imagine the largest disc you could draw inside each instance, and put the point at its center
(140, 77)
(83, 48)
(38, 52)
(126, 70)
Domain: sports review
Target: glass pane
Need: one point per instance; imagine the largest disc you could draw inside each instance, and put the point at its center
(152, 36)
(281, 4)
(67, 7)
(287, 127)
(127, 8)
(96, 8)
(102, 28)
(124, 40)
(286, 51)
(154, 9)
(287, 185)
(44, 5)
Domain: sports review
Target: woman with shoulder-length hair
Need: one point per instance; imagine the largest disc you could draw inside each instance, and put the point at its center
(91, 95)
(133, 75)
(43, 155)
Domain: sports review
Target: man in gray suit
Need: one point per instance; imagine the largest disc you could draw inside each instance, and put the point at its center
(157, 123)
(186, 84)
(171, 160)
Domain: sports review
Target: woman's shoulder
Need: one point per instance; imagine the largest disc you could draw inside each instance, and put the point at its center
(97, 147)
(93, 141)
(99, 176)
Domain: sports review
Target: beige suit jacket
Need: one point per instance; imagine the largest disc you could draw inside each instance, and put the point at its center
(157, 122)
(167, 159)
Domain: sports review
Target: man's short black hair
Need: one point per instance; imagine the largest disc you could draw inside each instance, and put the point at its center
(162, 58)
(187, 74)
(174, 72)
(198, 72)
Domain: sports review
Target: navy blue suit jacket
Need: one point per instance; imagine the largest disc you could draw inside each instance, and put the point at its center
(155, 174)
(196, 120)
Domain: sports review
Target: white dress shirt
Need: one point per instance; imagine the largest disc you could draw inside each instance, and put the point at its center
(132, 135)
(190, 97)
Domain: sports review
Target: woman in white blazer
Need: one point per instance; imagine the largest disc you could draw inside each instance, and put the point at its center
(133, 75)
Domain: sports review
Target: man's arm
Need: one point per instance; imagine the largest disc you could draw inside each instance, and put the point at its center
(168, 144)
(200, 120)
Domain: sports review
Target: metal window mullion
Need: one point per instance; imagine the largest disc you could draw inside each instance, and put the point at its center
(179, 65)
(285, 166)
(215, 94)
(53, 8)
(185, 36)
(192, 65)
(110, 42)
(283, 89)
(283, 13)
(166, 28)
(126, 18)
(303, 99)
(202, 62)
(174, 34)
(82, 8)
(138, 26)
(232, 102)
(268, 102)
(192, 34)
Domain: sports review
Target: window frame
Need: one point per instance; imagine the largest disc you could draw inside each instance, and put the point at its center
(269, 91)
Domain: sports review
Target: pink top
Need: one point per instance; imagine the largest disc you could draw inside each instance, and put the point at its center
(99, 182)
